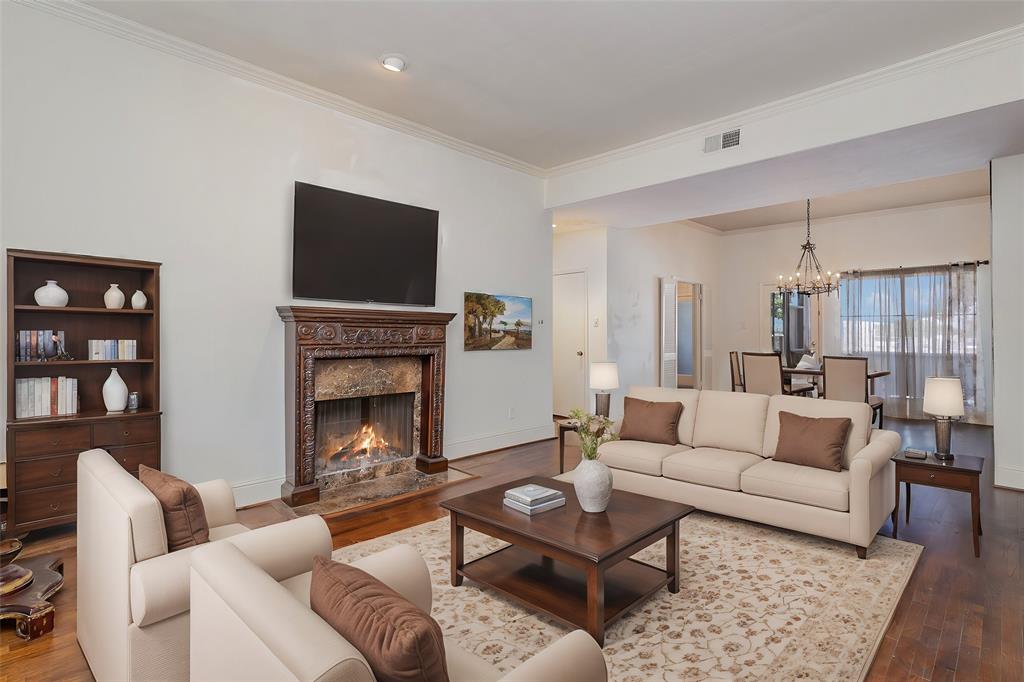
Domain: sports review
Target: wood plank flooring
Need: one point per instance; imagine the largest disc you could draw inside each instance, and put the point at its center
(960, 617)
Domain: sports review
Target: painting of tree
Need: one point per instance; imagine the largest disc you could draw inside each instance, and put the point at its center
(497, 322)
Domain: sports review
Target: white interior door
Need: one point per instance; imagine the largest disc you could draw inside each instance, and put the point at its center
(569, 330)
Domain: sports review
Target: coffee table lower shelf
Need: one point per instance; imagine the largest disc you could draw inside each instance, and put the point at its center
(559, 589)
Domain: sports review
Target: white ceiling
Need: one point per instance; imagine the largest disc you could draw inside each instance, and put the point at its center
(548, 83)
(914, 193)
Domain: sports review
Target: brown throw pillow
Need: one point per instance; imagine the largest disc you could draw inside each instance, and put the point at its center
(184, 515)
(651, 422)
(397, 639)
(813, 442)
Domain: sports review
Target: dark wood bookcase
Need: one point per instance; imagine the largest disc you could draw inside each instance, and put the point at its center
(42, 452)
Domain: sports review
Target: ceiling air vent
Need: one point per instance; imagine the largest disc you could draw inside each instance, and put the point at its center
(731, 138)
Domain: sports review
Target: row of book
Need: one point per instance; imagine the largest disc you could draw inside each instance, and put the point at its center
(45, 396)
(37, 344)
(532, 499)
(113, 349)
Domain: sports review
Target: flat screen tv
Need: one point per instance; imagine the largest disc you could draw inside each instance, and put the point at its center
(347, 247)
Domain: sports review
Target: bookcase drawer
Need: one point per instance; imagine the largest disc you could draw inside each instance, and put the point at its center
(49, 503)
(45, 472)
(51, 441)
(127, 432)
(132, 456)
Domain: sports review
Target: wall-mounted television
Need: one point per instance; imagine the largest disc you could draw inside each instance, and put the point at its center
(348, 247)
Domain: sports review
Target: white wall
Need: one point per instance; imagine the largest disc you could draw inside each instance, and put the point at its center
(587, 251)
(115, 149)
(919, 235)
(637, 259)
(1008, 317)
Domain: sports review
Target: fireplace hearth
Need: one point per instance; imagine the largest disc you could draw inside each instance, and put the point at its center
(368, 397)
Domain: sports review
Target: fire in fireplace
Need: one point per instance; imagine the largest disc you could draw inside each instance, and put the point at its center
(352, 433)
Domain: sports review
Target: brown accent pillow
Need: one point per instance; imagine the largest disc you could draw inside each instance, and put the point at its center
(812, 441)
(652, 422)
(398, 640)
(184, 515)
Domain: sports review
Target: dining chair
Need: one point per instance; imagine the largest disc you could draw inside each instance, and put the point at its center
(737, 372)
(762, 373)
(846, 378)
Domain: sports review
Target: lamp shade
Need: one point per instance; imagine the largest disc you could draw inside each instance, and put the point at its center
(604, 376)
(943, 396)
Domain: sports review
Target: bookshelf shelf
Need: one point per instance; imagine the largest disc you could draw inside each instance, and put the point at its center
(54, 441)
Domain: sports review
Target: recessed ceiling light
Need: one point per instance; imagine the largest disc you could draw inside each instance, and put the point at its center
(393, 62)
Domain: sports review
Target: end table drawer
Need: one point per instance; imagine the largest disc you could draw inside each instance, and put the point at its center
(954, 480)
(51, 441)
(127, 432)
(45, 472)
(39, 505)
(132, 456)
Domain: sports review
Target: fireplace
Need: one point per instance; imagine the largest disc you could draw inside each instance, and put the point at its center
(367, 396)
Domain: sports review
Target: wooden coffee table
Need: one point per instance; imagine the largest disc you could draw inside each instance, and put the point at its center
(572, 565)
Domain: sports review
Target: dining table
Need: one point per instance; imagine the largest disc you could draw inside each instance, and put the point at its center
(790, 372)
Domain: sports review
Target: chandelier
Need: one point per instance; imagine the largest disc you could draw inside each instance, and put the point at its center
(808, 278)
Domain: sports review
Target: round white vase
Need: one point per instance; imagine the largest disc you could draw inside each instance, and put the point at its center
(139, 300)
(50, 295)
(115, 392)
(114, 298)
(593, 483)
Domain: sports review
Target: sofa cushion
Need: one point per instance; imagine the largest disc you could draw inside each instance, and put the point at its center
(795, 483)
(184, 517)
(650, 421)
(687, 396)
(858, 413)
(709, 466)
(730, 421)
(812, 441)
(637, 455)
(398, 640)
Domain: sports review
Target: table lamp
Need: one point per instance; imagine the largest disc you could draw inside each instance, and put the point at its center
(943, 399)
(604, 377)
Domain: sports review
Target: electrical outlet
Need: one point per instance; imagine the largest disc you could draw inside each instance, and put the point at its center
(511, 413)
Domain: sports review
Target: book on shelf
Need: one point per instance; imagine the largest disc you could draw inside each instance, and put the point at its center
(37, 344)
(533, 494)
(112, 349)
(45, 396)
(535, 509)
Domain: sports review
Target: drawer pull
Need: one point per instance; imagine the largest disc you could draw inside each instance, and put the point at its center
(55, 443)
(59, 471)
(127, 433)
(54, 506)
(931, 475)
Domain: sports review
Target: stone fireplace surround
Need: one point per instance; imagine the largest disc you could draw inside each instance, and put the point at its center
(315, 335)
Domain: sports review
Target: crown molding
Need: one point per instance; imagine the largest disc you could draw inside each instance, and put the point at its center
(915, 65)
(97, 19)
(111, 24)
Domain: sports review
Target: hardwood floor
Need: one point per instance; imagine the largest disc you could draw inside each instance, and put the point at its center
(959, 618)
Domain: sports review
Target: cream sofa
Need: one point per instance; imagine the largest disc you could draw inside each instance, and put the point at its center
(133, 595)
(248, 625)
(723, 464)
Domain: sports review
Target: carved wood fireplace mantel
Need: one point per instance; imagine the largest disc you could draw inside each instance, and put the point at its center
(313, 334)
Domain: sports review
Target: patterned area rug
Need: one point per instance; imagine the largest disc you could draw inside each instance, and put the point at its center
(755, 603)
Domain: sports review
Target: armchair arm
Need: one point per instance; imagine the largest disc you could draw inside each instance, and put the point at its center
(574, 658)
(402, 569)
(872, 486)
(160, 586)
(218, 502)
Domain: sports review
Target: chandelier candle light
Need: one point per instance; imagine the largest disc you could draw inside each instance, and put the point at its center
(808, 278)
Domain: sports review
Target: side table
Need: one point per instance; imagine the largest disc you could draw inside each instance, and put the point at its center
(962, 473)
(564, 425)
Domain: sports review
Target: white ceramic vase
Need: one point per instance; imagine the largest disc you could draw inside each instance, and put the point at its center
(139, 300)
(114, 298)
(115, 392)
(593, 483)
(50, 295)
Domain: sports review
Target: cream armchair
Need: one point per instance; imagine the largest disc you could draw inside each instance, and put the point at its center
(133, 595)
(247, 625)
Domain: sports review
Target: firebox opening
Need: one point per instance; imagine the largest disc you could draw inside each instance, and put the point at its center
(352, 433)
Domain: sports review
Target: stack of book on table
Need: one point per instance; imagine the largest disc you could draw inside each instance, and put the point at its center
(533, 499)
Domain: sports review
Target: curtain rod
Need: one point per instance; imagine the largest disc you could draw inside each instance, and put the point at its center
(923, 267)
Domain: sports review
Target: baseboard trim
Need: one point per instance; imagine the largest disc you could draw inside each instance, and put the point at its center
(1009, 478)
(497, 441)
(257, 490)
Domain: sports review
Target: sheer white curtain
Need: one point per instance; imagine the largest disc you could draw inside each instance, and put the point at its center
(916, 323)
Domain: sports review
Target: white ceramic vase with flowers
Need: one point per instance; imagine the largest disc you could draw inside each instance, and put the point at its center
(592, 479)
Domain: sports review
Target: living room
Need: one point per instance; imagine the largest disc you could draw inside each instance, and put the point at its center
(165, 147)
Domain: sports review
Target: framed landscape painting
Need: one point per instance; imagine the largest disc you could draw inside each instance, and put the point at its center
(497, 322)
